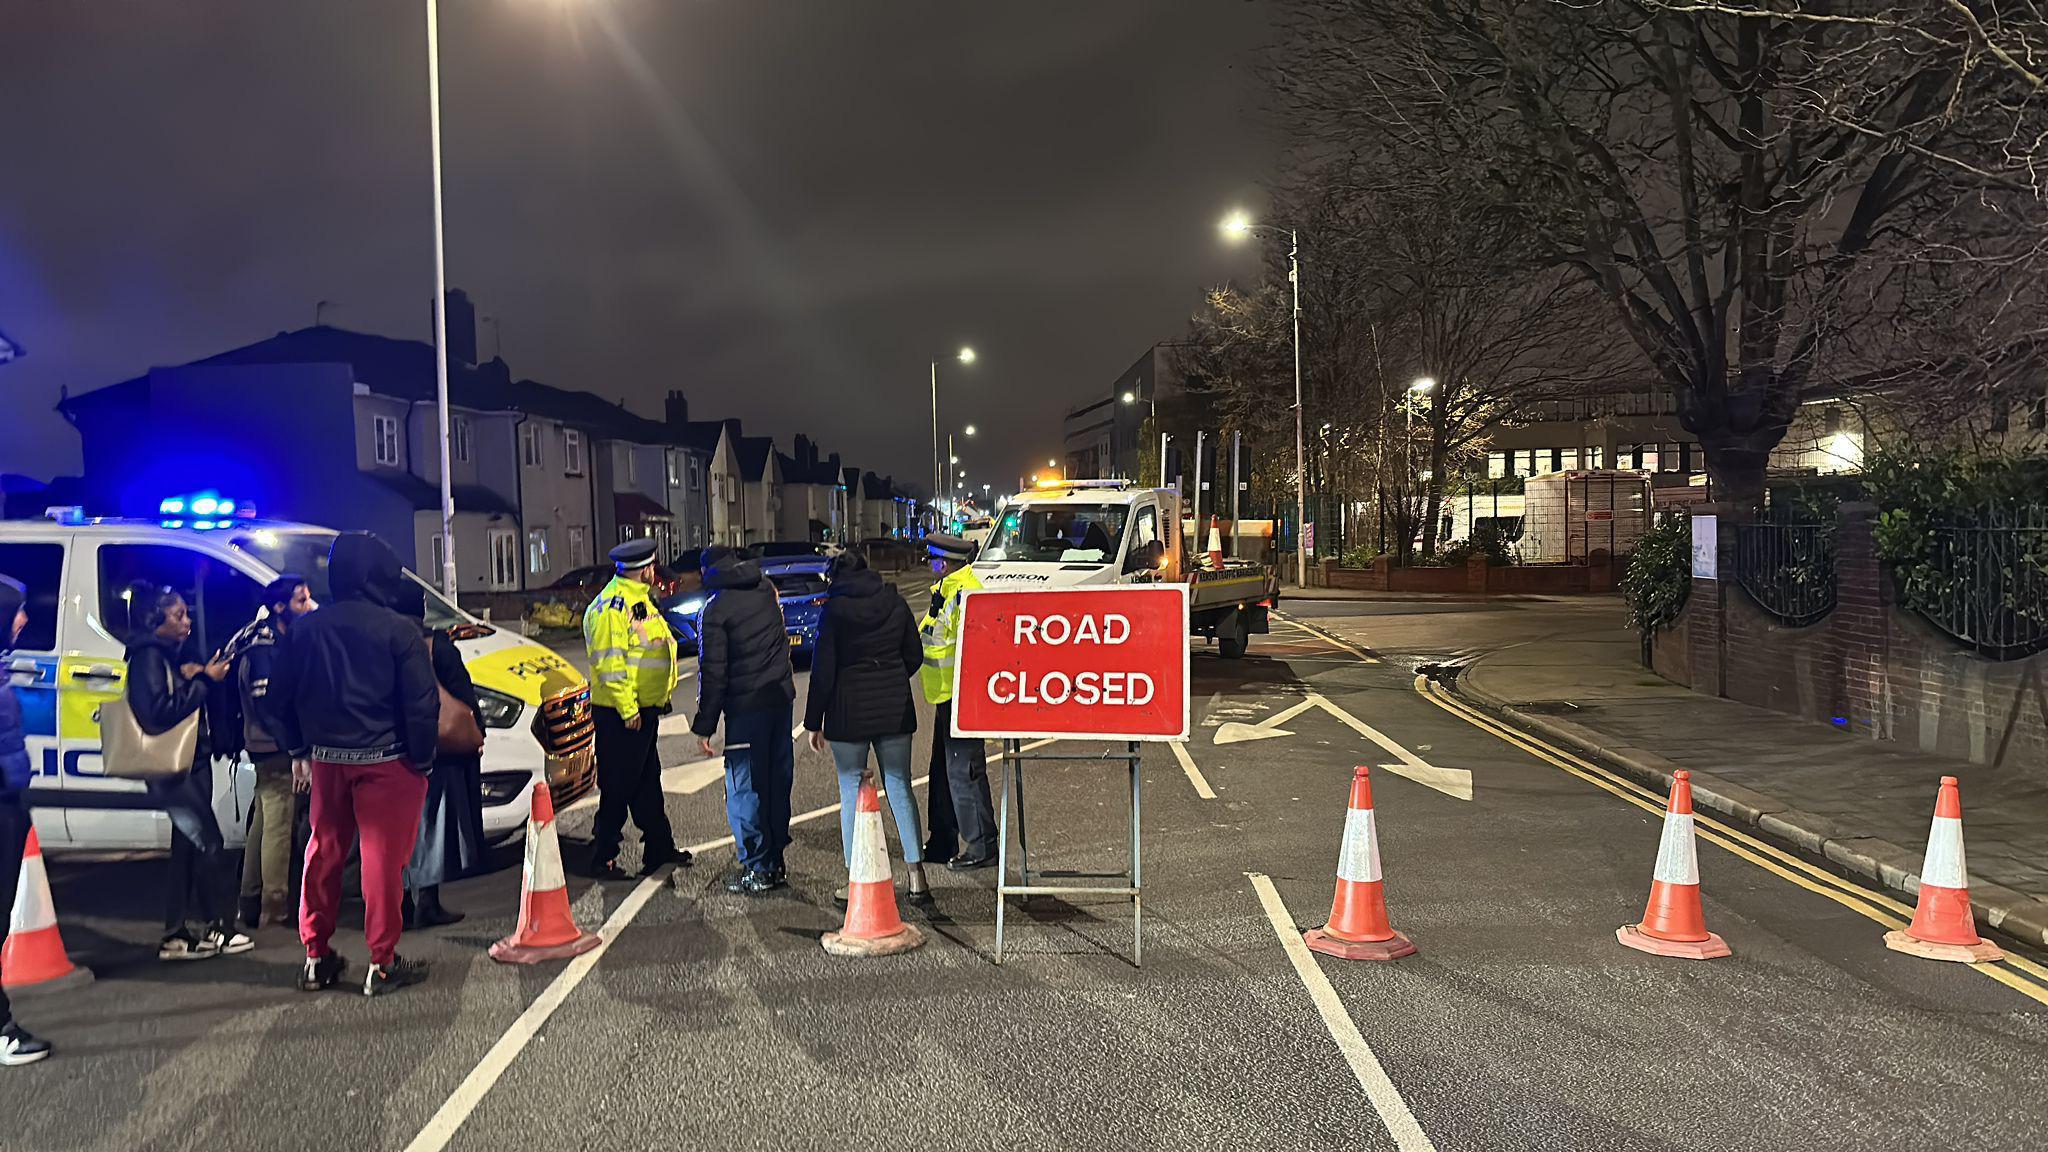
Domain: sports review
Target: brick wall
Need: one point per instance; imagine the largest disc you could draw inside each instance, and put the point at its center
(1871, 666)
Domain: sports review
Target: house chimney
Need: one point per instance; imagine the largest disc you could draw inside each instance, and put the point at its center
(678, 408)
(461, 328)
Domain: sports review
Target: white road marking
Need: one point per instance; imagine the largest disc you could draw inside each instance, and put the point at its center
(448, 1119)
(1455, 782)
(1331, 638)
(1379, 1088)
(1187, 765)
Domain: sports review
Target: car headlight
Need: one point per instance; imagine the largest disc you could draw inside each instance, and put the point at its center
(500, 710)
(690, 607)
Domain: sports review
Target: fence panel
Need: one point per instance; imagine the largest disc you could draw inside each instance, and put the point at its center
(1788, 569)
(1987, 583)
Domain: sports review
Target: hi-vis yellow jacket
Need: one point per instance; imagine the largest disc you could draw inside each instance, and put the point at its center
(632, 651)
(940, 632)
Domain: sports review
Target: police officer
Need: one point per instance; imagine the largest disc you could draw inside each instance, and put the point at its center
(961, 807)
(633, 674)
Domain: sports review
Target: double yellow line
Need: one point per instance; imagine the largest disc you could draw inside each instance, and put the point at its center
(2020, 974)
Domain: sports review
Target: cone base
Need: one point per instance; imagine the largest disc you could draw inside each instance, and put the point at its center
(510, 951)
(1632, 936)
(1982, 952)
(840, 944)
(78, 977)
(1320, 940)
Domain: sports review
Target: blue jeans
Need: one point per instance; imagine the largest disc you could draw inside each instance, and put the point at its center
(893, 752)
(760, 768)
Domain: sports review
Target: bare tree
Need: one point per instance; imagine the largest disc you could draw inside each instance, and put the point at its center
(1738, 184)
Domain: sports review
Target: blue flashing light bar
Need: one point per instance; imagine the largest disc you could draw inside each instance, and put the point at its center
(172, 507)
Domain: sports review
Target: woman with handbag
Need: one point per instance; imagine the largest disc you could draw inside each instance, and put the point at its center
(451, 839)
(167, 694)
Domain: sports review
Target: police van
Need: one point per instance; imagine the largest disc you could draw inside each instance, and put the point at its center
(69, 659)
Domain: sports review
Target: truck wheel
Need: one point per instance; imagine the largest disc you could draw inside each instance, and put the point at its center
(1232, 647)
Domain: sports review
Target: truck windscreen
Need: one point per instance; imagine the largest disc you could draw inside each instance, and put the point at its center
(1058, 533)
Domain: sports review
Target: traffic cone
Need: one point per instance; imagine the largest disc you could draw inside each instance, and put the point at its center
(34, 956)
(1673, 924)
(1358, 928)
(547, 930)
(872, 926)
(1942, 927)
(1215, 546)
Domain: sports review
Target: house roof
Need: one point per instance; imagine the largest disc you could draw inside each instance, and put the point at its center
(702, 435)
(424, 496)
(754, 453)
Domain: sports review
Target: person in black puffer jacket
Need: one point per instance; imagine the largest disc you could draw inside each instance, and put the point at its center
(868, 649)
(743, 674)
(165, 688)
(17, 1046)
(356, 693)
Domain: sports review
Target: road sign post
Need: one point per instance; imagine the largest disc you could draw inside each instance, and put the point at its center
(1101, 664)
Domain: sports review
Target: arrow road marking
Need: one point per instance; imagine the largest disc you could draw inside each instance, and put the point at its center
(1453, 782)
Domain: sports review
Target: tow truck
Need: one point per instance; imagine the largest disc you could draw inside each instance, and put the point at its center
(1082, 533)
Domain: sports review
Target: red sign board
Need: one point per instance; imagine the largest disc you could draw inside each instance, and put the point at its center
(1083, 663)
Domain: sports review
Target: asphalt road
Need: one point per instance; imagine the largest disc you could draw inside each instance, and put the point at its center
(715, 1021)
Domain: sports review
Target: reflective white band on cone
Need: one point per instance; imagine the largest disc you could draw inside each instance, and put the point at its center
(1678, 859)
(544, 860)
(1359, 862)
(1945, 866)
(870, 863)
(33, 910)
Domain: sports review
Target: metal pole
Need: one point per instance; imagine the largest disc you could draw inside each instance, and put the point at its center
(1163, 440)
(1202, 538)
(1236, 487)
(1300, 453)
(448, 584)
(938, 476)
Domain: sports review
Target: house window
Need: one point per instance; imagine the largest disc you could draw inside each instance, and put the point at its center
(537, 550)
(504, 560)
(579, 546)
(458, 431)
(1496, 464)
(696, 473)
(440, 551)
(632, 467)
(384, 440)
(572, 452)
(675, 478)
(529, 445)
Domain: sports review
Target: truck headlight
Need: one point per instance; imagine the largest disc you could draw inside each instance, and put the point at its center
(499, 710)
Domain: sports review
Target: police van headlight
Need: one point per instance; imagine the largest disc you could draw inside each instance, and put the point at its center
(499, 710)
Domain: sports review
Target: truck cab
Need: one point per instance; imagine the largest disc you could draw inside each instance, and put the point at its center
(70, 659)
(1085, 533)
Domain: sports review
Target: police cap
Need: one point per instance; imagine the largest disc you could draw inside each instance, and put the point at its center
(944, 547)
(633, 554)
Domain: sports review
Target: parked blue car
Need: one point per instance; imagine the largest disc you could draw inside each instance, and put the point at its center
(800, 583)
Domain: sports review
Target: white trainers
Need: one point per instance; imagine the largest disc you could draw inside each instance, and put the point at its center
(229, 943)
(183, 947)
(17, 1047)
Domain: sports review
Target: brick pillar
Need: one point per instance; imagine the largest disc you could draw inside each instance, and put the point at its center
(1382, 573)
(1476, 568)
(1706, 618)
(1857, 626)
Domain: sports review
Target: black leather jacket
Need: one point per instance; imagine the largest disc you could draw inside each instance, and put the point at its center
(160, 698)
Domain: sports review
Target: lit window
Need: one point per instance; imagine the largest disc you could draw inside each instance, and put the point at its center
(537, 550)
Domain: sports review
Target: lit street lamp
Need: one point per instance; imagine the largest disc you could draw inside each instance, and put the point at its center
(1238, 225)
(440, 301)
(964, 356)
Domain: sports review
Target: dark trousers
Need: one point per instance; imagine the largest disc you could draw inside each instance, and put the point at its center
(14, 825)
(760, 769)
(961, 806)
(629, 782)
(199, 879)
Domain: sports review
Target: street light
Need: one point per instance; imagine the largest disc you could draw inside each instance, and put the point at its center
(440, 301)
(969, 430)
(1238, 225)
(964, 356)
(1130, 397)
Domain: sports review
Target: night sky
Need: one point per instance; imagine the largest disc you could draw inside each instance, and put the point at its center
(783, 208)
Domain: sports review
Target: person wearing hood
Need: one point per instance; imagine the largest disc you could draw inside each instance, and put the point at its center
(744, 676)
(165, 688)
(451, 837)
(267, 860)
(17, 1046)
(868, 649)
(357, 696)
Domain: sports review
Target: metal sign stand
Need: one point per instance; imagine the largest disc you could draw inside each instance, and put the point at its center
(1013, 782)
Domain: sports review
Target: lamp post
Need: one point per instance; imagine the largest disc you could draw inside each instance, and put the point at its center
(964, 356)
(440, 301)
(1238, 225)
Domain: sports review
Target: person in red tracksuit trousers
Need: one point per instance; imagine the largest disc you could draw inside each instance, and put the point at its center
(357, 695)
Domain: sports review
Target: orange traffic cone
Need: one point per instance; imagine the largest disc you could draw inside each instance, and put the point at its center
(1215, 546)
(1673, 924)
(1358, 928)
(873, 927)
(1942, 927)
(547, 930)
(34, 956)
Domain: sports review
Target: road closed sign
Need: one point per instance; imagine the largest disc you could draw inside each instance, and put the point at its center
(1085, 663)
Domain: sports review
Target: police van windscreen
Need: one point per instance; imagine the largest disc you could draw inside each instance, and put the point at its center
(1058, 534)
(305, 553)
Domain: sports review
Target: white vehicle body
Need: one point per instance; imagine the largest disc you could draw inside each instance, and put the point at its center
(1082, 533)
(71, 658)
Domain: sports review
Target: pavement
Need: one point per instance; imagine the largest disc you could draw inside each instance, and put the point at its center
(711, 1020)
(1574, 672)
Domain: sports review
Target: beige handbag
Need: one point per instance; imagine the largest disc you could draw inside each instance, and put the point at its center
(129, 753)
